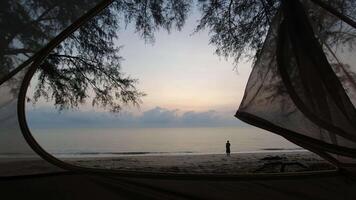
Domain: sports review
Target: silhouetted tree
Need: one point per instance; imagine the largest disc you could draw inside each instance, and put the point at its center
(239, 28)
(89, 61)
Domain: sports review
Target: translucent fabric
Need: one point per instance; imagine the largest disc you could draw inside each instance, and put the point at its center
(27, 27)
(303, 85)
(16, 156)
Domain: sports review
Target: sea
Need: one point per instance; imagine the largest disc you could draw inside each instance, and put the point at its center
(97, 142)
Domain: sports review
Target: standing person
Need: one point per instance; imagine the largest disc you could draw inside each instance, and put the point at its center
(228, 148)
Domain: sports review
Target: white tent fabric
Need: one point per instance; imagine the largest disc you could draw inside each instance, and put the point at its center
(13, 146)
(302, 85)
(298, 89)
(74, 186)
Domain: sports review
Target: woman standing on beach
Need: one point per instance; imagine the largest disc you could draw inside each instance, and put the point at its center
(228, 148)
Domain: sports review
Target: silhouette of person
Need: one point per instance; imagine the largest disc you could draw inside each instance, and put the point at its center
(228, 148)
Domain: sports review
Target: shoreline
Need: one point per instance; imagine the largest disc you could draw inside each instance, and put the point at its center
(134, 154)
(142, 153)
(237, 163)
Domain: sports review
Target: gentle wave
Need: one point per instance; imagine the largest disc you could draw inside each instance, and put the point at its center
(118, 154)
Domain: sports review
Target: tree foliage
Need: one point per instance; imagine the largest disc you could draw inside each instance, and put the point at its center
(87, 64)
(237, 28)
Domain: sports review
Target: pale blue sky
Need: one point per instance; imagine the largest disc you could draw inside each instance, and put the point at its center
(180, 74)
(180, 70)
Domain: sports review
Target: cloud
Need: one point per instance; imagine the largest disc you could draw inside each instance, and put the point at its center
(159, 115)
(156, 117)
(209, 117)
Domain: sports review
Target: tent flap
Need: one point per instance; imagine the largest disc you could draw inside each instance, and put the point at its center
(302, 84)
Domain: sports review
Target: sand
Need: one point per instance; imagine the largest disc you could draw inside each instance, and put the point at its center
(237, 163)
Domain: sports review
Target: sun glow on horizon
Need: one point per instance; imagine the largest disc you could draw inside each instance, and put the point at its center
(180, 71)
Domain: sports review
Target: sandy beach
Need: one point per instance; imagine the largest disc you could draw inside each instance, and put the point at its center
(237, 163)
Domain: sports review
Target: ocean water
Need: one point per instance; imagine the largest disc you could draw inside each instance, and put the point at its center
(72, 142)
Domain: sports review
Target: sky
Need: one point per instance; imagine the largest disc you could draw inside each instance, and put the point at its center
(185, 82)
(180, 70)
